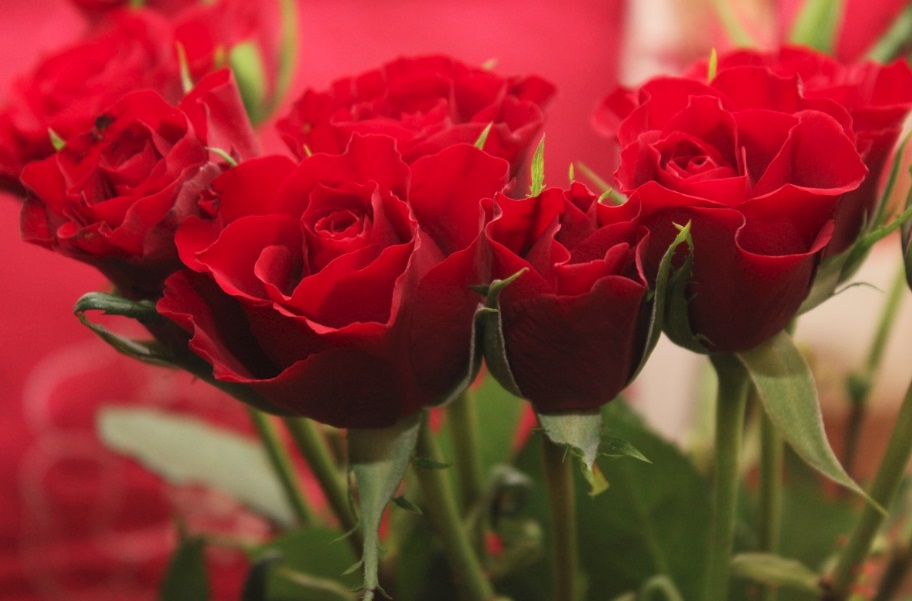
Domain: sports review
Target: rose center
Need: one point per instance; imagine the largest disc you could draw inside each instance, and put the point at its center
(339, 224)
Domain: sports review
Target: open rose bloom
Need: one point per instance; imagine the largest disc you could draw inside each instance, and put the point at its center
(760, 170)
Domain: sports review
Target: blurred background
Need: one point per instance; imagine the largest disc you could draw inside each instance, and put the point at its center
(78, 522)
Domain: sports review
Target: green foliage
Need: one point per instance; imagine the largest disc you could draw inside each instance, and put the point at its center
(817, 23)
(186, 578)
(312, 567)
(788, 393)
(247, 66)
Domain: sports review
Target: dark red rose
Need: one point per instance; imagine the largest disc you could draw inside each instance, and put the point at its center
(114, 196)
(573, 323)
(877, 97)
(339, 289)
(759, 171)
(95, 8)
(426, 104)
(68, 90)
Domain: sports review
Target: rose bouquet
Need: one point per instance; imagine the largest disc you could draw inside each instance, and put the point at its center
(437, 330)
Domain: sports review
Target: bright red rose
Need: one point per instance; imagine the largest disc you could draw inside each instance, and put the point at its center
(339, 289)
(114, 196)
(877, 97)
(573, 323)
(426, 104)
(68, 90)
(759, 171)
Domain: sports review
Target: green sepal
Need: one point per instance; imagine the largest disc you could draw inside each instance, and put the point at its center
(379, 459)
(56, 141)
(617, 448)
(713, 66)
(493, 343)
(186, 578)
(607, 192)
(538, 168)
(816, 24)
(676, 324)
(247, 65)
(786, 389)
(580, 434)
(147, 351)
(223, 155)
(774, 571)
(571, 174)
(664, 277)
(185, 77)
(483, 136)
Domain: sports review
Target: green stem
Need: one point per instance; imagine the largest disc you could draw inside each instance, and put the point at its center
(282, 465)
(559, 481)
(894, 574)
(444, 515)
(463, 420)
(772, 450)
(312, 446)
(730, 408)
(891, 43)
(883, 490)
(860, 383)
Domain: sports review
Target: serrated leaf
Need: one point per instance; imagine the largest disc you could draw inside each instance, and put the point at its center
(538, 168)
(787, 391)
(379, 459)
(186, 450)
(186, 578)
(483, 137)
(582, 433)
(772, 570)
(616, 448)
(664, 276)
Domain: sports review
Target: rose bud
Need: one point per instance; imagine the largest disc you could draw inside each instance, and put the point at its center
(759, 171)
(877, 97)
(426, 104)
(340, 288)
(573, 323)
(69, 90)
(113, 197)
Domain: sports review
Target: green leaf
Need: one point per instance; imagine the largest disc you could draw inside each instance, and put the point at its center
(247, 65)
(787, 391)
(538, 168)
(186, 450)
(312, 567)
(256, 585)
(816, 24)
(664, 276)
(186, 578)
(653, 520)
(483, 137)
(379, 459)
(581, 433)
(775, 571)
(894, 39)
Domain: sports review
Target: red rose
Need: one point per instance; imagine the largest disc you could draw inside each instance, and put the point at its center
(877, 98)
(169, 7)
(114, 196)
(339, 289)
(759, 171)
(68, 90)
(426, 104)
(573, 323)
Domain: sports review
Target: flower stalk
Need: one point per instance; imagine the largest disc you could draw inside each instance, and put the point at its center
(730, 409)
(441, 508)
(562, 498)
(883, 491)
(463, 419)
(281, 464)
(772, 454)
